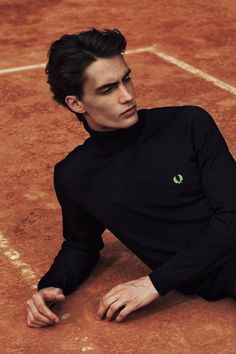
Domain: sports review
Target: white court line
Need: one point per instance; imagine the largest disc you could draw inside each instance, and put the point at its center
(21, 68)
(14, 257)
(139, 50)
(181, 64)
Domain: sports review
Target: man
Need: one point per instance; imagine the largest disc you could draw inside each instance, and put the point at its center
(161, 180)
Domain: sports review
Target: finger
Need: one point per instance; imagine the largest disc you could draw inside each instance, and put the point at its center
(38, 316)
(124, 313)
(44, 310)
(113, 309)
(32, 325)
(104, 305)
(32, 322)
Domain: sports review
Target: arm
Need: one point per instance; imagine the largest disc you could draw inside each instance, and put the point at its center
(80, 249)
(216, 244)
(74, 262)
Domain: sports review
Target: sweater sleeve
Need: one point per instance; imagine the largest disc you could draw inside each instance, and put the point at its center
(79, 251)
(215, 245)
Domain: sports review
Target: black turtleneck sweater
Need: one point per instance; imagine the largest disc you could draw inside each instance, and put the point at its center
(165, 187)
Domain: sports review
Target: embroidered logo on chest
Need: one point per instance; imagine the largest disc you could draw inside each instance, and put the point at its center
(178, 179)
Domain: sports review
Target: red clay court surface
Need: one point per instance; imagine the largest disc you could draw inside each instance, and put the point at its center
(36, 133)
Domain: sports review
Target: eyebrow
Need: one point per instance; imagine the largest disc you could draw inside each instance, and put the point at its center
(112, 84)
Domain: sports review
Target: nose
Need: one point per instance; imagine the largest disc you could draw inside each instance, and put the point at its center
(124, 95)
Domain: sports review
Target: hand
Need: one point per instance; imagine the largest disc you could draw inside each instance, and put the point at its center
(38, 311)
(129, 296)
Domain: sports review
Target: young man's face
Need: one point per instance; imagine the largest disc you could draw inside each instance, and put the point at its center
(108, 100)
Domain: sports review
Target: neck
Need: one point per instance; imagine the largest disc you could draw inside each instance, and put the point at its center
(116, 138)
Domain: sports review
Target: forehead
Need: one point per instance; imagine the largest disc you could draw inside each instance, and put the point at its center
(106, 70)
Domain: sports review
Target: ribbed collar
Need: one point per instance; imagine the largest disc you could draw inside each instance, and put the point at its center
(114, 139)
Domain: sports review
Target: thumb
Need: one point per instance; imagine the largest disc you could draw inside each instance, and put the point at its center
(59, 297)
(59, 293)
(55, 294)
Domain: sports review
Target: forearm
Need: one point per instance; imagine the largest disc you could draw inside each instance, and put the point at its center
(70, 268)
(202, 256)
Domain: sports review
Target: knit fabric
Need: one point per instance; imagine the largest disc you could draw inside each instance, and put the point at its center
(165, 187)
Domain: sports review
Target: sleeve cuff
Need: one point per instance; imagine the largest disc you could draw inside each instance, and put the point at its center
(159, 283)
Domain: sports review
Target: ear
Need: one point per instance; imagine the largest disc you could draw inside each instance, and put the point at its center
(75, 104)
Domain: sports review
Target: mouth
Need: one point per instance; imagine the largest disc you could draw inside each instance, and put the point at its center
(129, 112)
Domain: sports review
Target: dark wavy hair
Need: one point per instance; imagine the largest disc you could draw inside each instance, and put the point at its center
(69, 56)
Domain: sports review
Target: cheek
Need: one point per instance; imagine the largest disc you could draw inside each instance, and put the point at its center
(132, 87)
(104, 106)
(108, 104)
(102, 109)
(94, 105)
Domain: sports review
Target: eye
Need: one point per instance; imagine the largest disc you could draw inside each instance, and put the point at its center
(106, 91)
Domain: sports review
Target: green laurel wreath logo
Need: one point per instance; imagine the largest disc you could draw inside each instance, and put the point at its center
(178, 179)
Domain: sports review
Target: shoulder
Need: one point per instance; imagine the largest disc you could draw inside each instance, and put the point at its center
(199, 120)
(179, 117)
(181, 122)
(156, 112)
(199, 124)
(197, 113)
(71, 164)
(186, 112)
(193, 117)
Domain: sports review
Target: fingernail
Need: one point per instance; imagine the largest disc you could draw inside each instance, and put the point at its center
(98, 318)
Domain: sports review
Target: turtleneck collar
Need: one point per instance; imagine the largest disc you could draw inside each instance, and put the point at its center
(114, 139)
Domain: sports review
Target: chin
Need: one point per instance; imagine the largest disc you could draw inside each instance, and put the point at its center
(128, 122)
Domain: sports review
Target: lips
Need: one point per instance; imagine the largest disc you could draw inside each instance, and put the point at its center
(129, 112)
